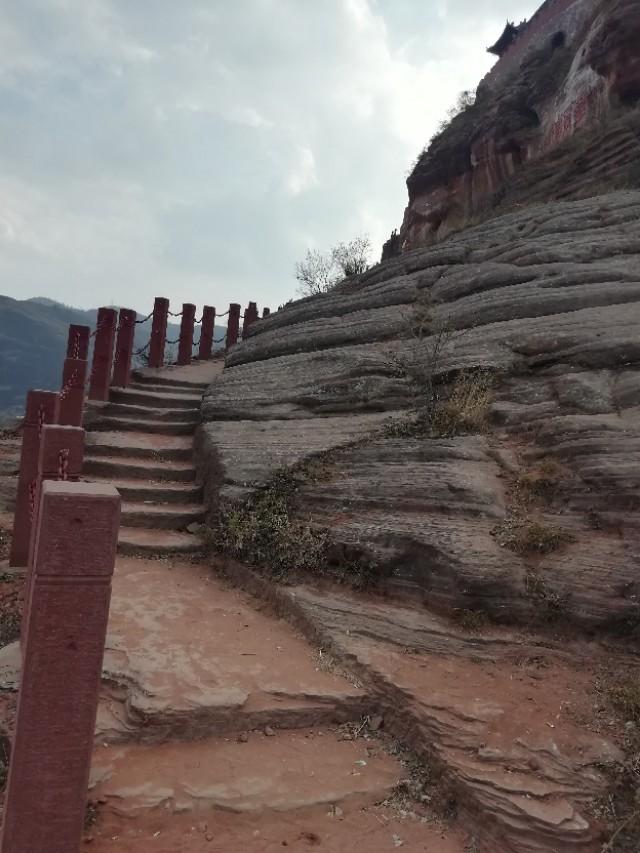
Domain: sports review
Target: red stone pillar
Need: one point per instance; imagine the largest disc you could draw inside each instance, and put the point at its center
(46, 796)
(78, 341)
(185, 347)
(124, 348)
(266, 312)
(250, 316)
(206, 332)
(71, 406)
(103, 354)
(233, 324)
(158, 331)
(41, 409)
(60, 458)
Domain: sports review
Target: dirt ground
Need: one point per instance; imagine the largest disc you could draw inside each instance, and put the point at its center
(374, 830)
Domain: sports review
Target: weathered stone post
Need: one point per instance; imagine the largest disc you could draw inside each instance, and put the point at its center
(41, 409)
(206, 332)
(124, 348)
(250, 316)
(266, 312)
(158, 331)
(74, 375)
(78, 341)
(46, 795)
(233, 324)
(103, 354)
(185, 347)
(60, 457)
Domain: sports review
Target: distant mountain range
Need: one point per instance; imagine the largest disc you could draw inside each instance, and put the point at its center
(33, 339)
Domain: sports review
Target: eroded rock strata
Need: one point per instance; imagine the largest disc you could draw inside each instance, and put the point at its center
(548, 300)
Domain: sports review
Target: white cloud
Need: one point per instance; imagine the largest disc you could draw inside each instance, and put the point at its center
(302, 176)
(198, 147)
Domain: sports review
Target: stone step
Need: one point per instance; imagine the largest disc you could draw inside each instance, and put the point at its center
(139, 491)
(119, 424)
(284, 772)
(158, 398)
(138, 469)
(139, 446)
(156, 379)
(161, 516)
(144, 542)
(122, 410)
(171, 390)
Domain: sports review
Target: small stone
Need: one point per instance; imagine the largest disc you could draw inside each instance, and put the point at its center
(243, 737)
(630, 726)
(397, 841)
(194, 527)
(269, 732)
(346, 736)
(338, 813)
(203, 827)
(209, 836)
(376, 723)
(88, 839)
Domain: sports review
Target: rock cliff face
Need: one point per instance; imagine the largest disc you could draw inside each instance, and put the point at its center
(557, 120)
(535, 518)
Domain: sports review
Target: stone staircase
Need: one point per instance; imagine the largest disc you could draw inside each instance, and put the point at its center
(141, 441)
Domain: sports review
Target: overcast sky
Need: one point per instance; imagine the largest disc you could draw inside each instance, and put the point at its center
(195, 148)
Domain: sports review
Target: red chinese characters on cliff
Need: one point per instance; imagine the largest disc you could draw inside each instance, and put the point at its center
(572, 118)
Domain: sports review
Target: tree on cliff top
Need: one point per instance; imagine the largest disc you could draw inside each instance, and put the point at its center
(321, 271)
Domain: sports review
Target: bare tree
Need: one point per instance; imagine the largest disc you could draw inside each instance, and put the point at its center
(353, 257)
(316, 273)
(320, 271)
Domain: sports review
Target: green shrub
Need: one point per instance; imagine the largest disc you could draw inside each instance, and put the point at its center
(534, 537)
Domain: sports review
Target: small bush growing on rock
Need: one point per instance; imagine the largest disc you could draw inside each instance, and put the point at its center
(320, 272)
(463, 409)
(626, 700)
(4, 544)
(470, 620)
(265, 533)
(466, 408)
(443, 409)
(552, 603)
(535, 537)
(619, 808)
(541, 481)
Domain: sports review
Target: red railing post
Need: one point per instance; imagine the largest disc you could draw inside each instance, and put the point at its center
(103, 354)
(124, 348)
(266, 312)
(233, 324)
(41, 409)
(78, 341)
(206, 332)
(60, 457)
(74, 374)
(45, 802)
(251, 316)
(185, 346)
(158, 331)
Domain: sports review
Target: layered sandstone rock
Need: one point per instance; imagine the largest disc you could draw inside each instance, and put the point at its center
(505, 723)
(548, 299)
(550, 122)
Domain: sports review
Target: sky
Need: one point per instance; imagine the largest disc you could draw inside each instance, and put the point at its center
(195, 149)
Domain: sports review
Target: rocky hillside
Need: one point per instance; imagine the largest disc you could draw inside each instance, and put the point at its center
(520, 503)
(563, 124)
